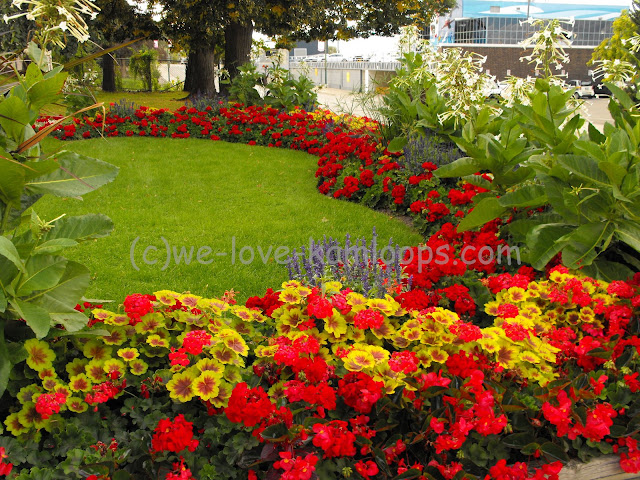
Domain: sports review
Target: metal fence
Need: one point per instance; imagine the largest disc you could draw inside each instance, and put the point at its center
(170, 72)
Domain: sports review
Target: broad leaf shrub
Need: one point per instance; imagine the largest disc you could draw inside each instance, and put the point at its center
(324, 383)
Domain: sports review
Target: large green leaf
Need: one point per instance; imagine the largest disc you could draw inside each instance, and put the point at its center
(14, 117)
(76, 176)
(585, 168)
(69, 290)
(629, 233)
(5, 361)
(80, 228)
(36, 317)
(583, 243)
(8, 250)
(12, 176)
(459, 168)
(487, 209)
(543, 243)
(43, 272)
(53, 246)
(527, 196)
(397, 144)
(63, 314)
(3, 301)
(46, 91)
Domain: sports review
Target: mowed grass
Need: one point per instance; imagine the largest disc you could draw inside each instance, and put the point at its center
(196, 194)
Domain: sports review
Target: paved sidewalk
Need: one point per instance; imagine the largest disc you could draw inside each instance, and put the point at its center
(344, 101)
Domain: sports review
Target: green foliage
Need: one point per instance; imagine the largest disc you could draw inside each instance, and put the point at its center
(280, 90)
(144, 65)
(413, 103)
(614, 48)
(36, 284)
(588, 182)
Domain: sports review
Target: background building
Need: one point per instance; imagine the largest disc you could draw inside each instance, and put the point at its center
(494, 28)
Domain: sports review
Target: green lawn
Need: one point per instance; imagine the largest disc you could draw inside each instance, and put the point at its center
(199, 193)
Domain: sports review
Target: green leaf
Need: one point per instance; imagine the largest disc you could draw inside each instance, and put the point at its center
(3, 302)
(487, 209)
(76, 176)
(615, 172)
(46, 91)
(12, 176)
(14, 117)
(585, 168)
(397, 144)
(79, 228)
(36, 317)
(583, 242)
(543, 243)
(5, 361)
(459, 168)
(54, 246)
(42, 272)
(527, 196)
(554, 451)
(517, 440)
(8, 250)
(595, 135)
(629, 233)
(69, 290)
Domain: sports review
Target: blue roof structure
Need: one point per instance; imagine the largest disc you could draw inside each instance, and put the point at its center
(576, 9)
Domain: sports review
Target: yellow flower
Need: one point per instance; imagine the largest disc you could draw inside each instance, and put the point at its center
(181, 386)
(206, 385)
(243, 313)
(138, 367)
(150, 323)
(96, 350)
(117, 337)
(157, 341)
(331, 288)
(210, 365)
(237, 344)
(29, 417)
(232, 374)
(39, 355)
(114, 368)
(26, 393)
(303, 291)
(102, 315)
(167, 297)
(222, 398)
(94, 371)
(189, 300)
(293, 317)
(223, 354)
(265, 351)
(13, 424)
(358, 302)
(80, 383)
(357, 360)
(128, 354)
(379, 354)
(383, 306)
(386, 330)
(335, 324)
(50, 383)
(76, 367)
(120, 321)
(290, 296)
(491, 308)
(76, 405)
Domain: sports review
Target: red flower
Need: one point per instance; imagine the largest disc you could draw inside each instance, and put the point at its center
(173, 436)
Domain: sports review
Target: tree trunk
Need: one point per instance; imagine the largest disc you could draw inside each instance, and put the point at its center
(108, 74)
(237, 46)
(189, 74)
(201, 71)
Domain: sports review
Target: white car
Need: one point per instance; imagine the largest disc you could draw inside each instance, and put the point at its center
(337, 57)
(314, 58)
(583, 89)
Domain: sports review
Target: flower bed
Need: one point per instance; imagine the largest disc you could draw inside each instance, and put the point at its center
(466, 368)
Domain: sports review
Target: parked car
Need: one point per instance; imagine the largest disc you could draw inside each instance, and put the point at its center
(583, 89)
(337, 57)
(495, 89)
(362, 58)
(601, 90)
(314, 58)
